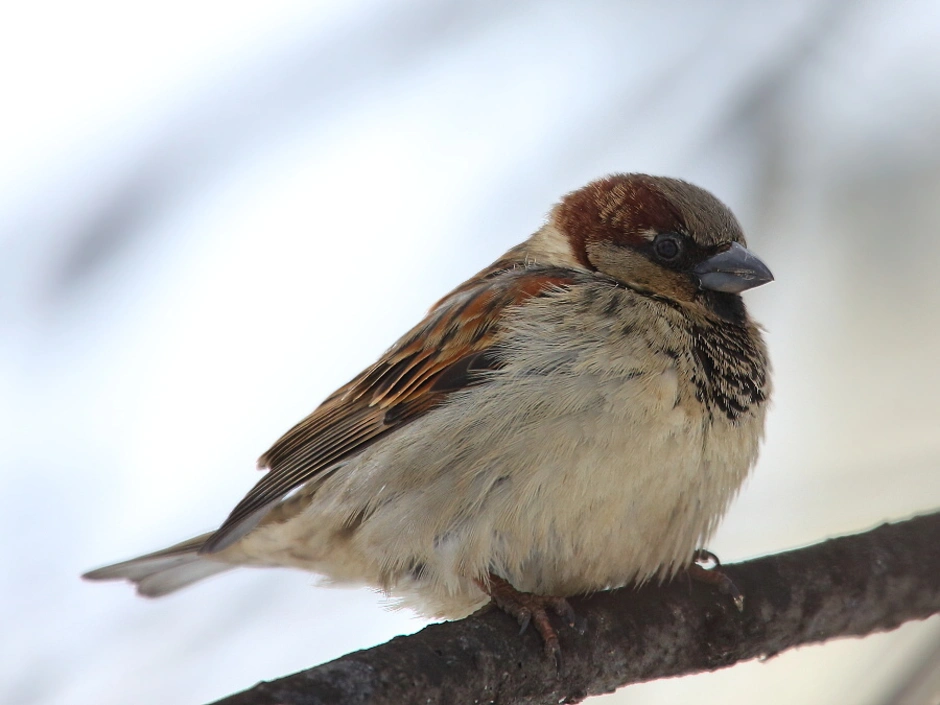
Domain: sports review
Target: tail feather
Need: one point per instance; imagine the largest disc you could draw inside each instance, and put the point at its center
(166, 571)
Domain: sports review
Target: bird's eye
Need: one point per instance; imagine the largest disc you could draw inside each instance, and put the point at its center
(667, 247)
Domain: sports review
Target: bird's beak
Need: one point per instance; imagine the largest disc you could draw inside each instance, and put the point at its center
(732, 271)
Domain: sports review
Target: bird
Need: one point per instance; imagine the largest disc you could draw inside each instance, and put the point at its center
(575, 417)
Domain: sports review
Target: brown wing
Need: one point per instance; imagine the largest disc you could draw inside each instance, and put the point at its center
(444, 353)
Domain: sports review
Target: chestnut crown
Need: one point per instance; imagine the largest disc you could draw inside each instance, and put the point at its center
(661, 236)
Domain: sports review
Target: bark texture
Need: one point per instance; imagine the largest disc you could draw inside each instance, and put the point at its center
(848, 586)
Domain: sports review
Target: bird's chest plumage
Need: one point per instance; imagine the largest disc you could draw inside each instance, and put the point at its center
(633, 458)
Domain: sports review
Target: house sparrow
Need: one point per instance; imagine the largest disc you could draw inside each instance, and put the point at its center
(575, 417)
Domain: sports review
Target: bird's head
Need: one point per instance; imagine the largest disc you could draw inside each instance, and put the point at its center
(662, 237)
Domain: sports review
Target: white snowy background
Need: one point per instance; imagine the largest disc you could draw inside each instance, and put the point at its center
(214, 213)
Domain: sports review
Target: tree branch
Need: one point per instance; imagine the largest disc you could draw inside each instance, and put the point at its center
(848, 586)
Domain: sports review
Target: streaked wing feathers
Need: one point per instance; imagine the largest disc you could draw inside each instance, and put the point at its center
(444, 353)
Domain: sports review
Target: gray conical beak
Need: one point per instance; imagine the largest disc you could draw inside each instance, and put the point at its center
(732, 271)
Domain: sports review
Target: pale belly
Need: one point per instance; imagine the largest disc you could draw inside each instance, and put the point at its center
(597, 485)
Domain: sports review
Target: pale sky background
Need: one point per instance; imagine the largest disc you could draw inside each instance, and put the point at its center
(213, 214)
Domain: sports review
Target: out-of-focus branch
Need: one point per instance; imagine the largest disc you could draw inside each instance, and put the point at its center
(848, 586)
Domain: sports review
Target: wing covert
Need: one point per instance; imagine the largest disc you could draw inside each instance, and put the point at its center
(450, 350)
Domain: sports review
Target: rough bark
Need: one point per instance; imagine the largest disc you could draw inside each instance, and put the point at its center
(847, 586)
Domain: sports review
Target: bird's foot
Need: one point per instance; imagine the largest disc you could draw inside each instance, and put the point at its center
(714, 576)
(532, 609)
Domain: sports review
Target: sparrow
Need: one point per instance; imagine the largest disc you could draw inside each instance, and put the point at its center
(575, 417)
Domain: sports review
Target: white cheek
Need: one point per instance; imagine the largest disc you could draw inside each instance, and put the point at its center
(550, 245)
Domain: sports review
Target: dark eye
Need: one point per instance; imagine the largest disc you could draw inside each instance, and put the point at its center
(667, 247)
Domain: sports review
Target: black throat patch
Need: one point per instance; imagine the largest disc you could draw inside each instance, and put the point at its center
(731, 369)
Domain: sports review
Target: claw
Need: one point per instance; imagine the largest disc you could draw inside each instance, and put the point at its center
(580, 625)
(525, 618)
(564, 610)
(553, 653)
(533, 609)
(736, 595)
(715, 576)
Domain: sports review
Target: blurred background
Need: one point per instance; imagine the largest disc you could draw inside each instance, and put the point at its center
(213, 214)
